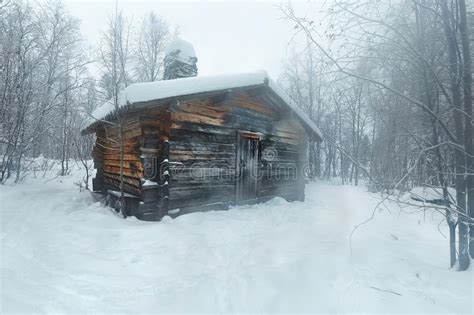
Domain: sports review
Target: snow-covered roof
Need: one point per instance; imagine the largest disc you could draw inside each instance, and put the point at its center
(143, 92)
(185, 50)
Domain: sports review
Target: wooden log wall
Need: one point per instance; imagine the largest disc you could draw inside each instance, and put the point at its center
(203, 139)
(183, 154)
(202, 153)
(146, 150)
(106, 155)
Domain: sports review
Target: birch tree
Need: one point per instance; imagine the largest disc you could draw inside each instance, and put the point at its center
(115, 62)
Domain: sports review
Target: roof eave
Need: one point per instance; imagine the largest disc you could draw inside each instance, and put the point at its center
(313, 131)
(159, 102)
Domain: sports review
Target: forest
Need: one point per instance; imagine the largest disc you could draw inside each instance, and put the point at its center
(388, 82)
(392, 89)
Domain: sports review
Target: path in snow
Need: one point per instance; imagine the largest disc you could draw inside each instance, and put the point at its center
(63, 252)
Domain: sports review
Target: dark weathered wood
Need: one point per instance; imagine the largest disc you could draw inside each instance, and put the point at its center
(97, 184)
(153, 195)
(114, 184)
(211, 147)
(187, 137)
(199, 144)
(247, 166)
(133, 181)
(220, 205)
(196, 118)
(203, 110)
(196, 158)
(194, 195)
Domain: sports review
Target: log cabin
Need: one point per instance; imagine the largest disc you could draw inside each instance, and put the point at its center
(200, 143)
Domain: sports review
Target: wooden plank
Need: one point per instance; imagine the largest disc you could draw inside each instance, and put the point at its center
(114, 142)
(118, 194)
(282, 140)
(133, 181)
(110, 183)
(246, 103)
(132, 151)
(203, 128)
(126, 156)
(187, 137)
(199, 109)
(219, 205)
(187, 117)
(202, 170)
(126, 171)
(201, 182)
(185, 197)
(267, 143)
(197, 202)
(180, 155)
(114, 133)
(252, 115)
(132, 166)
(210, 147)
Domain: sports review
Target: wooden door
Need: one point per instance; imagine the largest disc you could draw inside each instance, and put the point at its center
(247, 167)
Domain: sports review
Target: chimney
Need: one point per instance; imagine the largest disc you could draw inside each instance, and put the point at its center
(180, 60)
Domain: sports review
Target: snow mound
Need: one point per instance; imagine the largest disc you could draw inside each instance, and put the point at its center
(182, 51)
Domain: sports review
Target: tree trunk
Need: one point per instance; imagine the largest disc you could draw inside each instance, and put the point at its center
(468, 133)
(459, 132)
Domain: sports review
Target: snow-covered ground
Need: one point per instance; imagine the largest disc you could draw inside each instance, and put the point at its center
(63, 252)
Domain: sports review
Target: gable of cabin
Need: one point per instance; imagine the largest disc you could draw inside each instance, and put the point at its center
(204, 148)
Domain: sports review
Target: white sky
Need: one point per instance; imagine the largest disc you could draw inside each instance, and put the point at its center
(228, 36)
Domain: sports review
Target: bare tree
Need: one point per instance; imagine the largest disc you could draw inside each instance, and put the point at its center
(115, 64)
(151, 41)
(419, 123)
(114, 57)
(41, 76)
